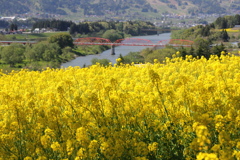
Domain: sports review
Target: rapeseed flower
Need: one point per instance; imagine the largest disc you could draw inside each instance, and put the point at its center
(182, 109)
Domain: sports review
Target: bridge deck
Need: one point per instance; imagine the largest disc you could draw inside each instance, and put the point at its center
(120, 42)
(22, 42)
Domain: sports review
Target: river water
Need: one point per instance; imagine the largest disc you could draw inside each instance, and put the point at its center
(123, 50)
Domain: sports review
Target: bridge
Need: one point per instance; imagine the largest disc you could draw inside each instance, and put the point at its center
(120, 42)
(133, 42)
(155, 29)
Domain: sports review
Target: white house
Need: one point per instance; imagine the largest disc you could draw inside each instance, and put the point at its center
(236, 27)
(8, 18)
(36, 30)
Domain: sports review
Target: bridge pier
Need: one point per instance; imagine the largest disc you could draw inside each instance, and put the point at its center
(112, 50)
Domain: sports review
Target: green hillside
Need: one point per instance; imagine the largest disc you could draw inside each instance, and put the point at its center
(117, 7)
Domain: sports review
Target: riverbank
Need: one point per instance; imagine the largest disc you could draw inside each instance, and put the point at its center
(89, 50)
(69, 57)
(83, 61)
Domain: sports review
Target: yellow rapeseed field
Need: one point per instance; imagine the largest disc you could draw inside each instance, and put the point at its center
(182, 109)
(230, 30)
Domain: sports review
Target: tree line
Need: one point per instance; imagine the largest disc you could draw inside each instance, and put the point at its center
(226, 22)
(130, 27)
(22, 24)
(87, 28)
(60, 25)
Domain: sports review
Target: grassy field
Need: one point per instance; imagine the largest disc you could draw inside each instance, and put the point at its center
(29, 36)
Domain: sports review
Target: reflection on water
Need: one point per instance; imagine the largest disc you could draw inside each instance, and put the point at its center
(123, 50)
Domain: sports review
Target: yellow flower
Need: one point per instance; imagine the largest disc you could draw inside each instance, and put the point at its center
(55, 146)
(45, 140)
(238, 145)
(119, 59)
(123, 112)
(81, 153)
(207, 156)
(93, 148)
(153, 147)
(28, 158)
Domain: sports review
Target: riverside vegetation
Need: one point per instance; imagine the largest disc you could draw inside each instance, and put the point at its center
(209, 40)
(182, 109)
(54, 49)
(50, 53)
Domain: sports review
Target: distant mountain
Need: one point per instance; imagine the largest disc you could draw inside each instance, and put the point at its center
(117, 7)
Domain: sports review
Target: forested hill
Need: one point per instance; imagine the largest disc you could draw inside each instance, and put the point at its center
(116, 7)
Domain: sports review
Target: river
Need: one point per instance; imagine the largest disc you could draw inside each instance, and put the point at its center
(123, 50)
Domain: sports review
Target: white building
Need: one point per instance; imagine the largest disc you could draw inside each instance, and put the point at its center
(8, 18)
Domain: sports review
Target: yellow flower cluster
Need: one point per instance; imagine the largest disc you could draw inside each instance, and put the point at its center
(182, 109)
(230, 30)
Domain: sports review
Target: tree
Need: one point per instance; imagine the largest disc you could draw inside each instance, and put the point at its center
(191, 51)
(13, 54)
(202, 47)
(43, 51)
(13, 27)
(205, 31)
(183, 51)
(35, 53)
(67, 54)
(73, 29)
(119, 26)
(52, 52)
(216, 50)
(83, 28)
(224, 36)
(237, 19)
(62, 39)
(113, 35)
(133, 57)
